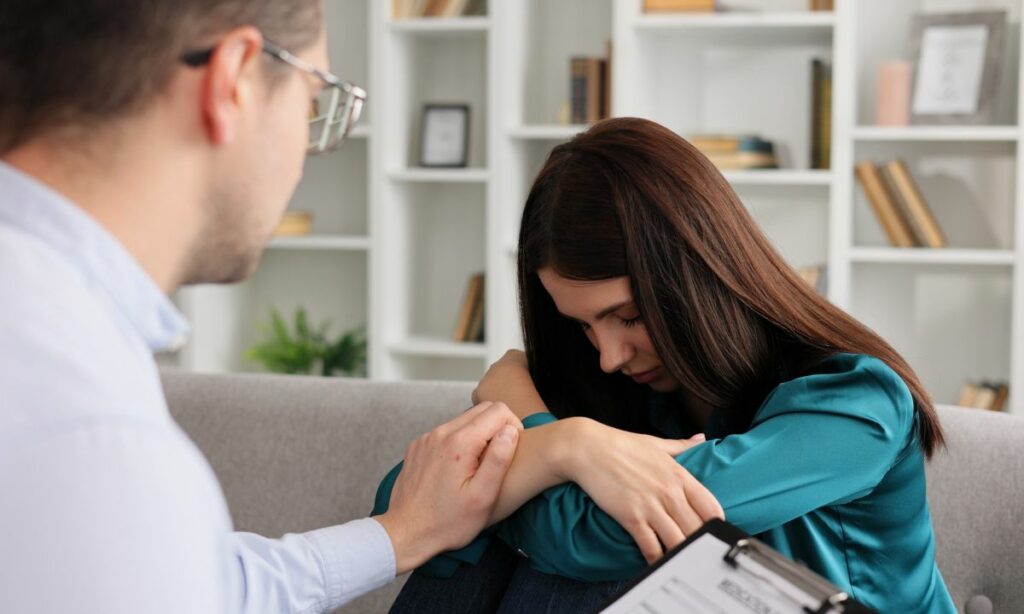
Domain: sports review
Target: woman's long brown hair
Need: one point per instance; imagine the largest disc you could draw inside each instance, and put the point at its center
(728, 317)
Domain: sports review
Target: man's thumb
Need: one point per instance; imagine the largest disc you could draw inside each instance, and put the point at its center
(497, 457)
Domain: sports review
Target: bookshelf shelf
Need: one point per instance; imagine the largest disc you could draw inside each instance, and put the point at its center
(323, 242)
(743, 29)
(937, 133)
(425, 346)
(553, 132)
(769, 177)
(427, 26)
(432, 175)
(969, 257)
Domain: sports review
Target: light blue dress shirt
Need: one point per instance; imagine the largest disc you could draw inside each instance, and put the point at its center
(106, 506)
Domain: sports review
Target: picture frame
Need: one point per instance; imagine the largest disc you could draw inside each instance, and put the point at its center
(444, 136)
(957, 59)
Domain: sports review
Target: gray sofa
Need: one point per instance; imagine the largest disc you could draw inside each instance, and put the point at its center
(294, 454)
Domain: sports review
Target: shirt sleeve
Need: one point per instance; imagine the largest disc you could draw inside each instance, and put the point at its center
(818, 440)
(318, 571)
(125, 515)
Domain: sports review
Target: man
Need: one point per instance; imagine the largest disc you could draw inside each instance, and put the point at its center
(147, 145)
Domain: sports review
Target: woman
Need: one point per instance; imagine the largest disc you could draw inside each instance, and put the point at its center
(652, 303)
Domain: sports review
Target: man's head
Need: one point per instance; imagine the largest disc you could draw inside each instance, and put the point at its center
(91, 76)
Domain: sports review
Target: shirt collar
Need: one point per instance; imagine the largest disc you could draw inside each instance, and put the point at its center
(36, 209)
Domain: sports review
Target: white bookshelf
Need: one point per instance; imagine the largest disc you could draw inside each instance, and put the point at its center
(395, 244)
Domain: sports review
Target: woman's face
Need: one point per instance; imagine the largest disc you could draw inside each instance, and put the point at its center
(610, 319)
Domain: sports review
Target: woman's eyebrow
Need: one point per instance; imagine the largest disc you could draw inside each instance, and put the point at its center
(603, 314)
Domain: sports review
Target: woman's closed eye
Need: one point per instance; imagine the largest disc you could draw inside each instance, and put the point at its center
(627, 322)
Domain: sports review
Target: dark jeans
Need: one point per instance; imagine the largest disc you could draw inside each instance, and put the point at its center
(502, 582)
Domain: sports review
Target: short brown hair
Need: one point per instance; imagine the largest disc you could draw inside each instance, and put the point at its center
(78, 62)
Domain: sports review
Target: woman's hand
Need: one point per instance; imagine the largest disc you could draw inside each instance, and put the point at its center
(635, 480)
(508, 381)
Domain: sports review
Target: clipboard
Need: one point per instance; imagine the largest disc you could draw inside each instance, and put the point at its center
(721, 570)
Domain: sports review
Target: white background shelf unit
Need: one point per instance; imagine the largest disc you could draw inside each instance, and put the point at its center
(394, 244)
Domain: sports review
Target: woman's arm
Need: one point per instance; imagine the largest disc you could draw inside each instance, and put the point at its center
(633, 478)
(819, 440)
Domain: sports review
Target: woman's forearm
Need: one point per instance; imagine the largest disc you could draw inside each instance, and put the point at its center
(541, 461)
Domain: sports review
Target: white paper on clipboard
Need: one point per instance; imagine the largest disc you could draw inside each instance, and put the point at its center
(699, 580)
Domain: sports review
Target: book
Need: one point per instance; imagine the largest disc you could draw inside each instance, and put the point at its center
(294, 223)
(882, 204)
(919, 214)
(588, 89)
(822, 5)
(742, 160)
(475, 332)
(985, 395)
(967, 395)
(471, 304)
(821, 114)
(734, 152)
(1002, 394)
(902, 206)
(677, 6)
(991, 396)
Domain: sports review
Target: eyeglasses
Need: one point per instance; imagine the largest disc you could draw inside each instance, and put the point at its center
(334, 111)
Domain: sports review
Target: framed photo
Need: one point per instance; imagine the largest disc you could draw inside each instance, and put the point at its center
(957, 62)
(444, 139)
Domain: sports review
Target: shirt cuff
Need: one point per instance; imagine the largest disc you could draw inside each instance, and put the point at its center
(357, 556)
(539, 419)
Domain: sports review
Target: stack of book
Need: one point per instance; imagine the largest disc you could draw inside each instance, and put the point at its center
(738, 152)
(984, 395)
(821, 114)
(589, 89)
(679, 6)
(294, 223)
(816, 277)
(470, 326)
(899, 206)
(405, 9)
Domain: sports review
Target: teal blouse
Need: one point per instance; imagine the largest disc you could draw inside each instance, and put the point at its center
(830, 472)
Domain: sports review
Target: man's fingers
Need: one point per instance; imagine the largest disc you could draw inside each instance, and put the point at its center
(494, 464)
(485, 425)
(465, 417)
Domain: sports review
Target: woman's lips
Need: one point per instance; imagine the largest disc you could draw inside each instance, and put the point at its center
(647, 376)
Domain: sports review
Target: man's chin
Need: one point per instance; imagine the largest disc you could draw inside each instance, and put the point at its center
(237, 270)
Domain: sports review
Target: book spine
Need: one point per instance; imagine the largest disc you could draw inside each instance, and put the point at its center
(578, 88)
(918, 208)
(594, 89)
(881, 203)
(901, 205)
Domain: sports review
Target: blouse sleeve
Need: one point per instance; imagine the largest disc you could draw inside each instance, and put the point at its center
(819, 440)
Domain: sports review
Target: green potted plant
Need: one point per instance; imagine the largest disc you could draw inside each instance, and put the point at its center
(303, 349)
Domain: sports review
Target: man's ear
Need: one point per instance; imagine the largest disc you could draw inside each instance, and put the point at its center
(231, 78)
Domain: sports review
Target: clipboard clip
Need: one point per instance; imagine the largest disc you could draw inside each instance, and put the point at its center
(832, 599)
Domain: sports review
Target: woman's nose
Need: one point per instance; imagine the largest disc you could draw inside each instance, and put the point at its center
(615, 354)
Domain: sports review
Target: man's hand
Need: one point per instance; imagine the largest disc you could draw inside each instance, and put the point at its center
(450, 483)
